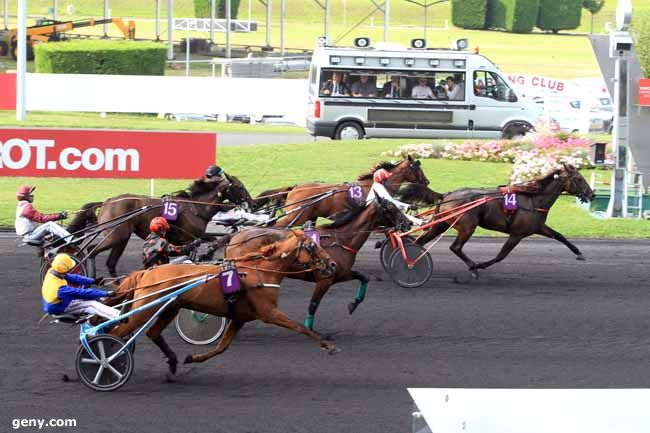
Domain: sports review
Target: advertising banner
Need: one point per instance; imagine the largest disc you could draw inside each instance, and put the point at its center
(7, 91)
(644, 92)
(96, 153)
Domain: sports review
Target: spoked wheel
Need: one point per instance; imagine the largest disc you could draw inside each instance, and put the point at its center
(81, 268)
(111, 370)
(387, 250)
(413, 275)
(199, 328)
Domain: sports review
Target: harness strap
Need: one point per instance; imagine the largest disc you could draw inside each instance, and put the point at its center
(541, 210)
(348, 248)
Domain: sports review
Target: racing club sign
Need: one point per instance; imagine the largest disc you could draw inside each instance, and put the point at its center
(105, 153)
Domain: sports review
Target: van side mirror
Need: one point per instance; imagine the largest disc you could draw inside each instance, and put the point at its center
(511, 96)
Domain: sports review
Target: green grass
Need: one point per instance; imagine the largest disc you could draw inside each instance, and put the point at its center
(262, 167)
(134, 121)
(561, 56)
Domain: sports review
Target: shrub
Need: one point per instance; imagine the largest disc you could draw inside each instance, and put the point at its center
(202, 8)
(559, 15)
(469, 14)
(518, 16)
(101, 57)
(642, 33)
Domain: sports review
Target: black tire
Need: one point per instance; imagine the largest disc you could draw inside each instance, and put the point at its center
(4, 48)
(93, 374)
(349, 131)
(14, 51)
(415, 276)
(387, 250)
(80, 269)
(515, 130)
(30, 52)
(199, 328)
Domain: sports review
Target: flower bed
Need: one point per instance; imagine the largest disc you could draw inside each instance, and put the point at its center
(532, 155)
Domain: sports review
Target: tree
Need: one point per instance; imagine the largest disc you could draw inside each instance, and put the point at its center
(593, 6)
(641, 27)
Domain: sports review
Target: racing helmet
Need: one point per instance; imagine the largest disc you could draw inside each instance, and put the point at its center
(24, 192)
(62, 263)
(381, 175)
(213, 170)
(159, 225)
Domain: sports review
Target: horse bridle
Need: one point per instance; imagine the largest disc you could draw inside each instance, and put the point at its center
(572, 184)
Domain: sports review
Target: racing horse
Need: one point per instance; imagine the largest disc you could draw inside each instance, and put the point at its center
(534, 202)
(342, 240)
(263, 271)
(313, 198)
(196, 206)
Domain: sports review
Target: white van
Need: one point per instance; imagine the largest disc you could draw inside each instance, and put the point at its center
(390, 91)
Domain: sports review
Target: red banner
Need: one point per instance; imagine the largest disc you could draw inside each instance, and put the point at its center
(105, 153)
(644, 92)
(7, 91)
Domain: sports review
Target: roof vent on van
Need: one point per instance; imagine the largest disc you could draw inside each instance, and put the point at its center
(418, 44)
(460, 44)
(362, 42)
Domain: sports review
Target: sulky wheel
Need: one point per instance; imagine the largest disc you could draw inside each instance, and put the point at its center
(387, 250)
(199, 328)
(81, 268)
(111, 370)
(414, 275)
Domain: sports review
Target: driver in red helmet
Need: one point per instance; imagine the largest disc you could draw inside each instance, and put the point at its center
(157, 249)
(32, 225)
(378, 189)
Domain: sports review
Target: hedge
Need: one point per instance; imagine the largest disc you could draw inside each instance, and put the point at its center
(469, 14)
(518, 16)
(558, 15)
(202, 8)
(641, 27)
(101, 57)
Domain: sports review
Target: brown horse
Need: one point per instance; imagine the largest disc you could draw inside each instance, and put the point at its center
(530, 217)
(342, 240)
(196, 207)
(406, 171)
(263, 271)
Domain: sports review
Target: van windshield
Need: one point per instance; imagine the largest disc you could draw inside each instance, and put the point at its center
(490, 85)
(436, 85)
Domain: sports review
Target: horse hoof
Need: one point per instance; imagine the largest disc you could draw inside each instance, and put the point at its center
(65, 378)
(462, 278)
(333, 350)
(188, 359)
(172, 367)
(352, 306)
(169, 378)
(580, 257)
(475, 274)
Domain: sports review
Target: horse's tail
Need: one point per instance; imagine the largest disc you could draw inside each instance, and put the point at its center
(276, 197)
(85, 216)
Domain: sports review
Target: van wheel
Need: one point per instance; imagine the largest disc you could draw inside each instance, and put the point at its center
(349, 131)
(4, 48)
(512, 131)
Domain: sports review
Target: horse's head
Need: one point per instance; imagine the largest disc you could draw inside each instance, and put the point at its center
(574, 183)
(233, 190)
(306, 253)
(410, 170)
(390, 216)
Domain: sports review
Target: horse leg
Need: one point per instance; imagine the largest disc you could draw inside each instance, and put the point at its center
(464, 233)
(321, 288)
(114, 256)
(227, 338)
(155, 334)
(361, 293)
(550, 233)
(512, 242)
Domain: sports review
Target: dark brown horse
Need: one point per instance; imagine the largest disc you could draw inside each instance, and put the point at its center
(406, 171)
(342, 240)
(196, 206)
(530, 218)
(264, 270)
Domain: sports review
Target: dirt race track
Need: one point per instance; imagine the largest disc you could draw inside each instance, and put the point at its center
(540, 319)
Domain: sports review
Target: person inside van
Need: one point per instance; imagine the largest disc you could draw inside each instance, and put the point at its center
(364, 88)
(422, 90)
(440, 91)
(392, 88)
(455, 90)
(335, 86)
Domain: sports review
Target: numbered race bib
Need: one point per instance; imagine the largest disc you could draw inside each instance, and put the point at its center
(170, 210)
(315, 235)
(355, 193)
(229, 280)
(510, 202)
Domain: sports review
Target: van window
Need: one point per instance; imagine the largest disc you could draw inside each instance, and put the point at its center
(490, 85)
(393, 84)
